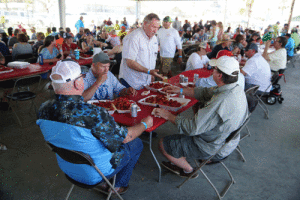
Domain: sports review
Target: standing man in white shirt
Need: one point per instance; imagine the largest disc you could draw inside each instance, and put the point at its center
(256, 70)
(139, 54)
(168, 39)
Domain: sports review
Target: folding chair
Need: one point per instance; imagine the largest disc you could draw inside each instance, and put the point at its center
(77, 157)
(252, 103)
(199, 167)
(22, 92)
(28, 57)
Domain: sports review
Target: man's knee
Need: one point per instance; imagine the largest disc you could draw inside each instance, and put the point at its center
(135, 146)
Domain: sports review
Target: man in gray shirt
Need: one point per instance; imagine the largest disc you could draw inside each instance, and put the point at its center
(200, 136)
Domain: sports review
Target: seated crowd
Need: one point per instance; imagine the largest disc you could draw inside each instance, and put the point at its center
(221, 98)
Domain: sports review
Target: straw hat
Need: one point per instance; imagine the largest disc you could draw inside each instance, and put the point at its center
(225, 38)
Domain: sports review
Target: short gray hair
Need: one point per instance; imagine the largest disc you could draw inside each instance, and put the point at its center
(151, 16)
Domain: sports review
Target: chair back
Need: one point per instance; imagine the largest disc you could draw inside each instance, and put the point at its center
(71, 156)
(251, 98)
(236, 132)
(77, 140)
(28, 57)
(8, 59)
(24, 84)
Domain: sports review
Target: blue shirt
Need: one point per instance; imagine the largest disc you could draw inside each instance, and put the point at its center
(3, 49)
(290, 47)
(108, 90)
(68, 122)
(47, 55)
(79, 24)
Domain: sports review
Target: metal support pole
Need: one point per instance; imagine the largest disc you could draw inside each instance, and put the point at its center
(62, 13)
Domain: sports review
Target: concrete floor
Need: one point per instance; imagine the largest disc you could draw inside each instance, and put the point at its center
(28, 169)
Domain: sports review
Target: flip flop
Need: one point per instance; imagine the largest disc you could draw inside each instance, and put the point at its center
(2, 147)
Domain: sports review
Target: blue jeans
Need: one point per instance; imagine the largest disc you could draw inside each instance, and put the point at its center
(123, 82)
(124, 170)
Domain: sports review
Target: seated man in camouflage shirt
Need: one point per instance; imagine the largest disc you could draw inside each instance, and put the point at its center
(117, 148)
(201, 135)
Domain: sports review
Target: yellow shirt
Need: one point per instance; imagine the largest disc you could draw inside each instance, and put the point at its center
(117, 27)
(47, 34)
(120, 34)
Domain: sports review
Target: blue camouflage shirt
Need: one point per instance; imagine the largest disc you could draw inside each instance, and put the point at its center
(71, 109)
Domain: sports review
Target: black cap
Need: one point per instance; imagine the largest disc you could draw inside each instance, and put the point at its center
(102, 58)
(67, 35)
(251, 46)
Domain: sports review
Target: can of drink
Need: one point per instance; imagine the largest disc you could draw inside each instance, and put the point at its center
(181, 77)
(196, 76)
(133, 110)
(185, 79)
(41, 60)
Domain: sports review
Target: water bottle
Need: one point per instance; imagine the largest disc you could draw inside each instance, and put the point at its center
(76, 52)
(41, 60)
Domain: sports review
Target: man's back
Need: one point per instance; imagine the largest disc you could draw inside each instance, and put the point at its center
(225, 112)
(258, 72)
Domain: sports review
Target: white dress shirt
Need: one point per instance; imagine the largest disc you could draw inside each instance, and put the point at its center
(140, 48)
(258, 72)
(196, 62)
(168, 40)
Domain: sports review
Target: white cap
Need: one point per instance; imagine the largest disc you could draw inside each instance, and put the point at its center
(226, 64)
(68, 70)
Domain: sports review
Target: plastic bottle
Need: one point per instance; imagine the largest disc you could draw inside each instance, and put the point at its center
(41, 60)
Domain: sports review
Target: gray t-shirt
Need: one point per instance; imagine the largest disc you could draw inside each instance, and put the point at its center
(21, 49)
(12, 41)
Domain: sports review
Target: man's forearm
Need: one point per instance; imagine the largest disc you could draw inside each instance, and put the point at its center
(89, 93)
(180, 52)
(136, 66)
(134, 132)
(189, 92)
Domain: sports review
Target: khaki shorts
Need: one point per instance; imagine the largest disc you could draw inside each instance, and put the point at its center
(166, 64)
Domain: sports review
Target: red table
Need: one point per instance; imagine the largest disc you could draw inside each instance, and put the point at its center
(203, 73)
(33, 69)
(127, 120)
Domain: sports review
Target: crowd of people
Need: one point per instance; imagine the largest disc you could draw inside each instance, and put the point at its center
(222, 106)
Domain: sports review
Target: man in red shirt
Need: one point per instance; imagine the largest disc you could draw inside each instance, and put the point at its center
(68, 46)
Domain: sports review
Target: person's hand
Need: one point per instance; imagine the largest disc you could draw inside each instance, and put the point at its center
(101, 78)
(131, 91)
(268, 43)
(59, 46)
(149, 121)
(163, 113)
(179, 61)
(235, 51)
(152, 78)
(154, 72)
(172, 90)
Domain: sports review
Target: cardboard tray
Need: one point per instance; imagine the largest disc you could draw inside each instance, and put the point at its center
(109, 111)
(155, 90)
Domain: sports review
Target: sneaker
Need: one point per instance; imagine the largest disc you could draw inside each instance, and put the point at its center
(186, 175)
(170, 167)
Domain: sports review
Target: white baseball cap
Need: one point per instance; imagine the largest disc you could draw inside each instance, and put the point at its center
(67, 69)
(226, 64)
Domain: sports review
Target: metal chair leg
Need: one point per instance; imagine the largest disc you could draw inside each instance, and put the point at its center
(114, 182)
(246, 135)
(238, 149)
(264, 107)
(70, 192)
(157, 163)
